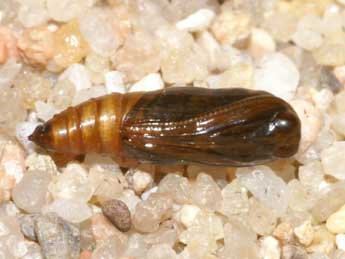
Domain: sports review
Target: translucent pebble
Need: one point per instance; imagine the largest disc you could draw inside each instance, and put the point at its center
(78, 75)
(340, 241)
(4, 252)
(240, 75)
(73, 184)
(261, 43)
(8, 72)
(37, 45)
(206, 193)
(305, 233)
(23, 131)
(141, 181)
(152, 15)
(235, 201)
(281, 25)
(239, 242)
(106, 184)
(332, 160)
(166, 234)
(65, 10)
(62, 94)
(301, 198)
(323, 99)
(86, 94)
(27, 225)
(188, 214)
(121, 19)
(150, 213)
(73, 211)
(41, 163)
(98, 66)
(103, 229)
(114, 82)
(336, 222)
(12, 110)
(311, 122)
(8, 209)
(332, 21)
(31, 2)
(151, 82)
(291, 251)
(33, 250)
(204, 223)
(30, 193)
(131, 200)
(44, 111)
(15, 245)
(162, 251)
(332, 198)
(97, 30)
(323, 242)
(70, 46)
(308, 34)
(218, 56)
(230, 26)
(8, 45)
(330, 54)
(199, 244)
(338, 254)
(147, 193)
(182, 64)
(179, 184)
(19, 248)
(197, 21)
(277, 69)
(284, 232)
(12, 168)
(138, 57)
(262, 220)
(4, 230)
(181, 8)
(269, 248)
(109, 248)
(325, 139)
(32, 15)
(32, 88)
(101, 162)
(265, 186)
(9, 11)
(137, 246)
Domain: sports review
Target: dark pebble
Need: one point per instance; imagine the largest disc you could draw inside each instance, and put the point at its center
(118, 214)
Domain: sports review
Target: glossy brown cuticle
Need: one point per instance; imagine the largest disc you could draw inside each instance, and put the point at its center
(182, 125)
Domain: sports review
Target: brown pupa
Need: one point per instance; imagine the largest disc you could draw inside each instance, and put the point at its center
(177, 125)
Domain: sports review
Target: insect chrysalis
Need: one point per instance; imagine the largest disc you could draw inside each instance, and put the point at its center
(177, 125)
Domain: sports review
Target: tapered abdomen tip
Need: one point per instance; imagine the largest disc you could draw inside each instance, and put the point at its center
(42, 136)
(31, 138)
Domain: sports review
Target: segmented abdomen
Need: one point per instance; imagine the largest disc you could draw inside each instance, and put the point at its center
(92, 126)
(227, 127)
